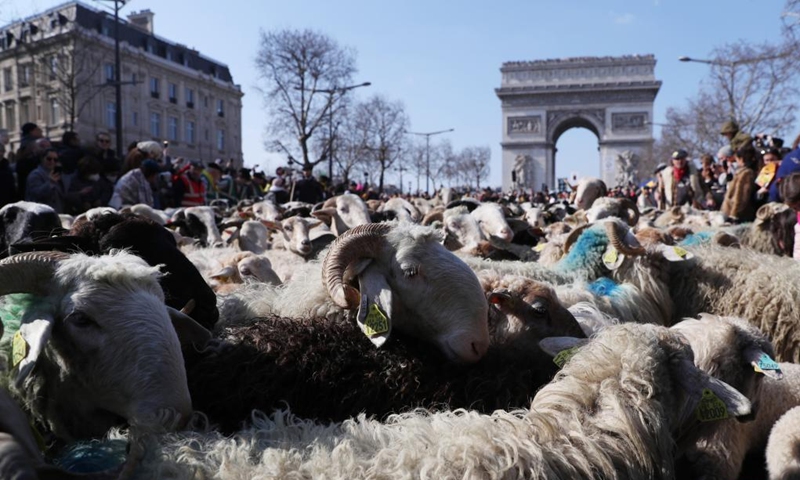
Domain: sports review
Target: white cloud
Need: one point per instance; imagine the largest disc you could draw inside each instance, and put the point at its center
(623, 19)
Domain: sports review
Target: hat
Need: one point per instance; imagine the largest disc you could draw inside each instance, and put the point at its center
(151, 148)
(680, 154)
(149, 167)
(28, 128)
(725, 151)
(773, 151)
(245, 172)
(196, 163)
(214, 166)
(729, 127)
(659, 167)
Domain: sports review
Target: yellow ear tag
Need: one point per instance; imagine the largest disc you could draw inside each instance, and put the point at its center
(680, 252)
(539, 247)
(376, 322)
(611, 256)
(564, 356)
(711, 407)
(19, 349)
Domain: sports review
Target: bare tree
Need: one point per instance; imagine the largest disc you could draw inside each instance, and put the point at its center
(443, 164)
(414, 160)
(383, 124)
(475, 164)
(301, 74)
(350, 142)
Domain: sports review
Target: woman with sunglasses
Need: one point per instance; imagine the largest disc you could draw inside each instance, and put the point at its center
(44, 184)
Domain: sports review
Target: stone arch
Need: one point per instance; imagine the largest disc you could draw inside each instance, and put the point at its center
(610, 96)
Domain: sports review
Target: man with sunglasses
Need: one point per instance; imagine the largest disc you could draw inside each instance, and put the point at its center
(44, 184)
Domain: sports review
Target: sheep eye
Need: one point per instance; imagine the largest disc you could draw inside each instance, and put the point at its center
(80, 320)
(245, 272)
(411, 271)
(539, 307)
(288, 228)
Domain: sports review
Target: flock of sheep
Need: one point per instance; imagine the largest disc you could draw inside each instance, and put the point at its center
(427, 339)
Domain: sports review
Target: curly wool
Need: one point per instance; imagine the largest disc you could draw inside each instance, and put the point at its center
(783, 449)
(610, 413)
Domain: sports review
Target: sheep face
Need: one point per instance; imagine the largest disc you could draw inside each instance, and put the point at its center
(493, 222)
(347, 211)
(462, 229)
(266, 210)
(295, 232)
(104, 349)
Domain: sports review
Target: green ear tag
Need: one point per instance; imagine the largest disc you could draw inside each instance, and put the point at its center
(711, 407)
(610, 257)
(19, 349)
(376, 322)
(564, 356)
(539, 247)
(766, 363)
(680, 252)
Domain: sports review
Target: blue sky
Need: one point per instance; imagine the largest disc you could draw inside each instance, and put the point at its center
(441, 58)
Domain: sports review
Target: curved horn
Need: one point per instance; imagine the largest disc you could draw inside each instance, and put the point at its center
(618, 240)
(765, 212)
(363, 241)
(25, 272)
(434, 215)
(573, 237)
(632, 210)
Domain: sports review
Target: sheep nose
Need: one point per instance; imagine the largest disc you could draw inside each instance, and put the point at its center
(479, 348)
(506, 234)
(305, 242)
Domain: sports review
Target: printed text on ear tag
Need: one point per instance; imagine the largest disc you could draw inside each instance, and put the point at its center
(376, 322)
(564, 356)
(680, 252)
(711, 407)
(766, 363)
(19, 349)
(610, 257)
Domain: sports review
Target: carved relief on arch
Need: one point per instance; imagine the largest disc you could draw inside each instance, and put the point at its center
(595, 116)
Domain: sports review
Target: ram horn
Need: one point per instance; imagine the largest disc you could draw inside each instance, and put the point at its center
(363, 241)
(618, 239)
(436, 213)
(573, 237)
(28, 272)
(631, 211)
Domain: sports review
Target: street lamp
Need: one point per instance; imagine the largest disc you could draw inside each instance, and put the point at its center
(331, 92)
(428, 136)
(118, 4)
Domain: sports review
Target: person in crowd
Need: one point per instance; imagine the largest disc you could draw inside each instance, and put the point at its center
(789, 164)
(85, 191)
(736, 137)
(29, 154)
(308, 189)
(8, 186)
(103, 153)
(211, 176)
(260, 181)
(767, 176)
(143, 151)
(44, 184)
(709, 181)
(739, 203)
(243, 187)
(70, 152)
(790, 192)
(278, 190)
(136, 186)
(188, 187)
(680, 183)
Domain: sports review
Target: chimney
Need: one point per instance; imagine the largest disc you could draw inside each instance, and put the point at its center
(142, 20)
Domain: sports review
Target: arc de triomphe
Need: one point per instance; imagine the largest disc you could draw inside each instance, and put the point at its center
(611, 96)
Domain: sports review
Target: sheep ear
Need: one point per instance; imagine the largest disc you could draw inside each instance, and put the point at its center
(272, 225)
(224, 274)
(375, 310)
(500, 297)
(325, 215)
(674, 253)
(28, 344)
(707, 398)
(189, 331)
(763, 363)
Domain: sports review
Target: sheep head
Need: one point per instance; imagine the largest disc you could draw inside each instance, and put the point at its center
(96, 344)
(492, 222)
(407, 280)
(343, 212)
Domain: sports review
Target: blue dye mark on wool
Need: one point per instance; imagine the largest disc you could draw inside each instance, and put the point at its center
(588, 249)
(93, 456)
(603, 287)
(699, 238)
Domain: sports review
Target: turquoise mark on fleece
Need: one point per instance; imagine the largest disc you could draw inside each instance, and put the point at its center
(12, 310)
(604, 287)
(694, 239)
(93, 456)
(589, 248)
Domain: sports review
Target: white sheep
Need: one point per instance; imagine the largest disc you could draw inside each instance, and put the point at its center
(783, 448)
(343, 212)
(618, 409)
(223, 268)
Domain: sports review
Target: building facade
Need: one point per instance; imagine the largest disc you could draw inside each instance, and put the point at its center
(57, 70)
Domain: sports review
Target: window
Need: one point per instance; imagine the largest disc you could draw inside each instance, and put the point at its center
(173, 93)
(8, 79)
(189, 131)
(155, 125)
(190, 98)
(55, 112)
(111, 115)
(109, 69)
(53, 64)
(133, 78)
(205, 101)
(135, 119)
(154, 87)
(220, 140)
(25, 110)
(206, 134)
(24, 75)
(11, 117)
(172, 128)
(221, 108)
